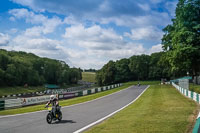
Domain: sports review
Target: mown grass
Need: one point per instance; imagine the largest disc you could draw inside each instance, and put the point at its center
(89, 76)
(194, 87)
(65, 102)
(19, 90)
(161, 109)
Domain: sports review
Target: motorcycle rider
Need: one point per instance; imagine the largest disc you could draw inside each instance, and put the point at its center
(138, 84)
(54, 102)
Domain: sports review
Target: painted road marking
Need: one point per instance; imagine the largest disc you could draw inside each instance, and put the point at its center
(100, 120)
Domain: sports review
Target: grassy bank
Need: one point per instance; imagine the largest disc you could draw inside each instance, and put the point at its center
(194, 87)
(89, 76)
(19, 89)
(65, 102)
(161, 109)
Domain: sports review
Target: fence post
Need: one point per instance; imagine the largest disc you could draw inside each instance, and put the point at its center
(191, 95)
(2, 104)
(197, 97)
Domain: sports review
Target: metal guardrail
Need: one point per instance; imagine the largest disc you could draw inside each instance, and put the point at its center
(196, 128)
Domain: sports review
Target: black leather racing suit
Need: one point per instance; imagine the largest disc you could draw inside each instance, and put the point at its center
(55, 104)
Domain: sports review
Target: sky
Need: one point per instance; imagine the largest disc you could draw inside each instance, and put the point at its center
(84, 33)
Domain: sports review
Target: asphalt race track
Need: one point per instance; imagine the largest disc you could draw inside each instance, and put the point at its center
(74, 117)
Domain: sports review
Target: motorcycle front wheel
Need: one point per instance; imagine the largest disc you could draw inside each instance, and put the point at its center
(49, 118)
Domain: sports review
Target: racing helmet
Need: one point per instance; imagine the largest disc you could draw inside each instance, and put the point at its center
(52, 97)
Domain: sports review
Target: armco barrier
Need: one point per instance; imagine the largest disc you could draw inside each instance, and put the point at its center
(196, 128)
(194, 96)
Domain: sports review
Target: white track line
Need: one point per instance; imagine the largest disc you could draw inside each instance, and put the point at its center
(100, 120)
(69, 105)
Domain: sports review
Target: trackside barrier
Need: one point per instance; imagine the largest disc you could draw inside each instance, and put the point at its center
(19, 102)
(10, 103)
(96, 90)
(190, 94)
(88, 92)
(194, 96)
(49, 91)
(196, 128)
(2, 104)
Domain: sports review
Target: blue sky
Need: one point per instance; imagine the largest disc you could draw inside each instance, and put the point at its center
(84, 33)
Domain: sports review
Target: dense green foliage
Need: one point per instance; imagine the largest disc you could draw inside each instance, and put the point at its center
(20, 68)
(137, 67)
(90, 70)
(182, 38)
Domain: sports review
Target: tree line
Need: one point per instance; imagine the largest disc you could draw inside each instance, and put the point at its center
(181, 40)
(137, 67)
(180, 56)
(20, 68)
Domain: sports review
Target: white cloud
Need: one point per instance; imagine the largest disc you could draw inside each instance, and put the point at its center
(20, 13)
(47, 25)
(93, 37)
(145, 7)
(171, 6)
(145, 33)
(36, 43)
(34, 31)
(39, 45)
(99, 46)
(151, 19)
(30, 3)
(85, 44)
(155, 48)
(71, 20)
(4, 39)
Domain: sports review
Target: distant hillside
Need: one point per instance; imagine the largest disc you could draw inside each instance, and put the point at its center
(89, 76)
(22, 69)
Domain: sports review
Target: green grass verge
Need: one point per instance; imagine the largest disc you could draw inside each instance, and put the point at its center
(194, 87)
(161, 109)
(65, 102)
(89, 76)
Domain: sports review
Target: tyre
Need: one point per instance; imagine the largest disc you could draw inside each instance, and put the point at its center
(49, 118)
(60, 116)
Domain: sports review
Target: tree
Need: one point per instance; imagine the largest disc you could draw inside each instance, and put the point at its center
(181, 40)
(139, 66)
(19, 68)
(106, 75)
(123, 72)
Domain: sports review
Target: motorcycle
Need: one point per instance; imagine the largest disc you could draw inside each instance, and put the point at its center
(138, 84)
(51, 117)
